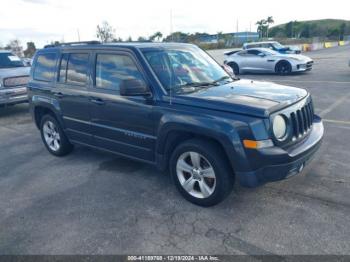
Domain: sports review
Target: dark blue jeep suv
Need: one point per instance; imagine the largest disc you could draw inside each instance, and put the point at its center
(173, 106)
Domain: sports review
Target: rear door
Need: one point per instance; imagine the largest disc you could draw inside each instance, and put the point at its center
(120, 124)
(72, 93)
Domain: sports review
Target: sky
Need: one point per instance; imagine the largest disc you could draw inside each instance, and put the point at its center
(43, 21)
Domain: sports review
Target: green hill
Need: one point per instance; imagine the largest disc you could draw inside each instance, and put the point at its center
(330, 28)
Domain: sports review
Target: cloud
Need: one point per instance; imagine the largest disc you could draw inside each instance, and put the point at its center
(45, 20)
(36, 1)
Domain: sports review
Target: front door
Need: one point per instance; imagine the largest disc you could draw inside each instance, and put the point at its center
(119, 123)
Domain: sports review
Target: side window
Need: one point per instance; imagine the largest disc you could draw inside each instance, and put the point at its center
(45, 67)
(74, 68)
(111, 69)
(242, 53)
(253, 52)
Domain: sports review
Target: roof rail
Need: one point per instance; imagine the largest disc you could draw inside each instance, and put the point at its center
(94, 42)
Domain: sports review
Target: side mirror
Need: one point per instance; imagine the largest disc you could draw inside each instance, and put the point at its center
(261, 55)
(133, 87)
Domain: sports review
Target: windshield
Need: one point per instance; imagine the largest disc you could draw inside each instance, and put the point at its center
(271, 52)
(185, 70)
(278, 45)
(10, 60)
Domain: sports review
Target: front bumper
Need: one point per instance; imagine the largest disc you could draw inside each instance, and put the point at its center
(283, 163)
(11, 96)
(302, 67)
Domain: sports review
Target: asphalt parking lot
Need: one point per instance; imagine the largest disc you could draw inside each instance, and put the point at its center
(95, 203)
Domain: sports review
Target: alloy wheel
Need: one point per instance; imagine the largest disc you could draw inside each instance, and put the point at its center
(196, 175)
(52, 136)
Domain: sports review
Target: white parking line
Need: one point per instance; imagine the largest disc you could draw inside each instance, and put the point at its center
(336, 121)
(308, 81)
(334, 105)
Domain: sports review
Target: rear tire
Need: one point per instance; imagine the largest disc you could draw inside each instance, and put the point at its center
(53, 136)
(201, 172)
(234, 67)
(283, 68)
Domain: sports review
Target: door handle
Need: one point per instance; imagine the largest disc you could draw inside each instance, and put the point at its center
(58, 95)
(97, 101)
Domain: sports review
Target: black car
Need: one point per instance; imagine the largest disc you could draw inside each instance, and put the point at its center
(172, 106)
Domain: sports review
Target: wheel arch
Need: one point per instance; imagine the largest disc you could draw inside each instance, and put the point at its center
(174, 134)
(232, 64)
(39, 110)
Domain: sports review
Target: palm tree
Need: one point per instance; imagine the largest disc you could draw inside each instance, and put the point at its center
(158, 35)
(269, 21)
(261, 27)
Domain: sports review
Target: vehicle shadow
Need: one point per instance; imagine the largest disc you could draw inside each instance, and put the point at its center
(15, 110)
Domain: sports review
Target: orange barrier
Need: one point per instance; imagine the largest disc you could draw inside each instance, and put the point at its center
(306, 47)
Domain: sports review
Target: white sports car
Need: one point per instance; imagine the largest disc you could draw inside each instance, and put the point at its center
(264, 60)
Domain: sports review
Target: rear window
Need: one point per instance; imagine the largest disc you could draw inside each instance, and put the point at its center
(45, 67)
(8, 60)
(74, 68)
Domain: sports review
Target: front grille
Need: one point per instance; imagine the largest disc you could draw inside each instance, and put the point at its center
(16, 81)
(309, 64)
(301, 120)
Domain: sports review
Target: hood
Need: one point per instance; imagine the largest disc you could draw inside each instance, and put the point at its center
(295, 56)
(245, 97)
(14, 71)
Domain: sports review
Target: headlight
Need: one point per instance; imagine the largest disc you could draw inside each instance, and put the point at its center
(279, 127)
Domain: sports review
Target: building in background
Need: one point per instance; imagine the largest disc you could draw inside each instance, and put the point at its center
(229, 39)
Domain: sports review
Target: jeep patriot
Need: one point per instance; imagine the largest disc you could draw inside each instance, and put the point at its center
(173, 106)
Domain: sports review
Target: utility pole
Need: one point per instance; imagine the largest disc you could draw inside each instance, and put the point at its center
(237, 26)
(171, 25)
(78, 35)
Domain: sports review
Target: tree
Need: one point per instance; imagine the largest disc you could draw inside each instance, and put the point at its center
(269, 21)
(158, 35)
(141, 39)
(116, 40)
(30, 51)
(179, 37)
(261, 27)
(15, 47)
(129, 39)
(105, 32)
(342, 28)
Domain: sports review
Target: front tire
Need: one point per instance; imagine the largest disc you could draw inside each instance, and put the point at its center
(53, 136)
(283, 68)
(201, 172)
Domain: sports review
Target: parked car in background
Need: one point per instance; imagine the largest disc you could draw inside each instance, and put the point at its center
(172, 106)
(27, 61)
(263, 60)
(273, 45)
(14, 76)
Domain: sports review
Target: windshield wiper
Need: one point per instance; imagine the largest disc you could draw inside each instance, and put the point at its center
(198, 84)
(222, 79)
